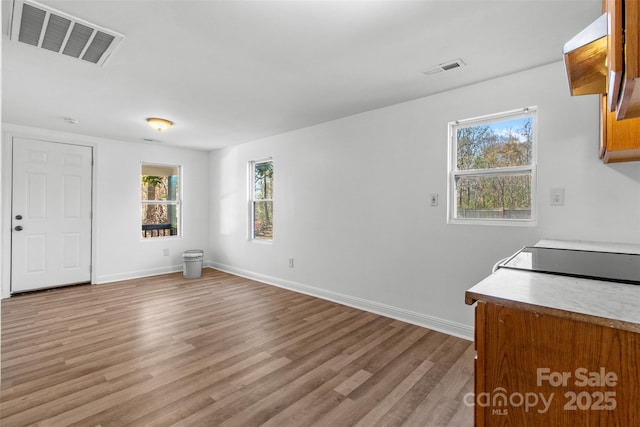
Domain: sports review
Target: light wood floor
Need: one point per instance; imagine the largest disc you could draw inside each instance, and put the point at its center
(221, 350)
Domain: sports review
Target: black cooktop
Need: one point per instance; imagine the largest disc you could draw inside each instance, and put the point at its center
(609, 266)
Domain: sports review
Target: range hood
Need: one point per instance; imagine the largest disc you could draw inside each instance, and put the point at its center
(585, 57)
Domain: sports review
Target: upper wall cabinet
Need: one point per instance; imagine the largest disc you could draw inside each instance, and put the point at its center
(585, 57)
(604, 59)
(624, 18)
(615, 52)
(620, 139)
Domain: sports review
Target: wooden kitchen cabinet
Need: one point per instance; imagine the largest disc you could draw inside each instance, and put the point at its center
(620, 139)
(615, 51)
(623, 52)
(540, 367)
(620, 112)
(604, 59)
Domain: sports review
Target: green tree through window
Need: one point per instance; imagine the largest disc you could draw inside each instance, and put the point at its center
(492, 167)
(262, 200)
(160, 199)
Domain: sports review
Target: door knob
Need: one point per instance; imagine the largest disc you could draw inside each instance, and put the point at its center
(18, 228)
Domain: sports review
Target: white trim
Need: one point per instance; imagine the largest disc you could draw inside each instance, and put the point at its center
(530, 169)
(430, 322)
(138, 274)
(177, 202)
(498, 222)
(252, 200)
(496, 117)
(507, 171)
(261, 241)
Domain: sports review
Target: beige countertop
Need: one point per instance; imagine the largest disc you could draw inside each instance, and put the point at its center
(626, 248)
(606, 303)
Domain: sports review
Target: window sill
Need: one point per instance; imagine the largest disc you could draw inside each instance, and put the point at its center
(499, 223)
(261, 242)
(160, 238)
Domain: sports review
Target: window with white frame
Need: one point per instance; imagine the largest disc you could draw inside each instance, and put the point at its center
(492, 168)
(160, 200)
(261, 203)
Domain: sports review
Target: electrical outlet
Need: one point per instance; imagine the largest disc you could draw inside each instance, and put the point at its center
(290, 262)
(165, 252)
(557, 197)
(433, 199)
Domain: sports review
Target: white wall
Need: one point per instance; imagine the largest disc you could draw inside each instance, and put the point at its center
(121, 253)
(352, 201)
(118, 251)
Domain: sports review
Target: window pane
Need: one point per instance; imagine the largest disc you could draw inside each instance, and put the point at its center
(493, 197)
(159, 219)
(161, 184)
(494, 145)
(263, 175)
(263, 220)
(159, 187)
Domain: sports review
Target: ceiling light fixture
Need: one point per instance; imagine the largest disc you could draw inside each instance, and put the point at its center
(159, 124)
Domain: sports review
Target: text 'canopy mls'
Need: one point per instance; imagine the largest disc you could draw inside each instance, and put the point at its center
(495, 145)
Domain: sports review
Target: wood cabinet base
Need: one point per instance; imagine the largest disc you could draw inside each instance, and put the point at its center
(535, 369)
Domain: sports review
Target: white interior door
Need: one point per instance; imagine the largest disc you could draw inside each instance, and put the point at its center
(51, 215)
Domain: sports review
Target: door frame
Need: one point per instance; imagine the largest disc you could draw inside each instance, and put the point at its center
(9, 133)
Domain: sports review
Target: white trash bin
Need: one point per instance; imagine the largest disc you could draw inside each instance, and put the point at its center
(192, 262)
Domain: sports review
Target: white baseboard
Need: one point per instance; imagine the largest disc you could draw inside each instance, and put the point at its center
(137, 274)
(430, 322)
(109, 278)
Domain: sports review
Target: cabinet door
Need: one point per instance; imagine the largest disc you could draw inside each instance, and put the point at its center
(540, 370)
(629, 99)
(620, 138)
(615, 53)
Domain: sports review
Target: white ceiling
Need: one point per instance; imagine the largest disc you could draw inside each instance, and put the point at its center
(228, 72)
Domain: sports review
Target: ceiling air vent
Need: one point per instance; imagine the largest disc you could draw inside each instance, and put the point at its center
(450, 65)
(47, 28)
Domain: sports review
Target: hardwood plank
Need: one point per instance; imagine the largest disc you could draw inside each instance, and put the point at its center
(391, 399)
(405, 361)
(221, 350)
(310, 407)
(353, 382)
(420, 405)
